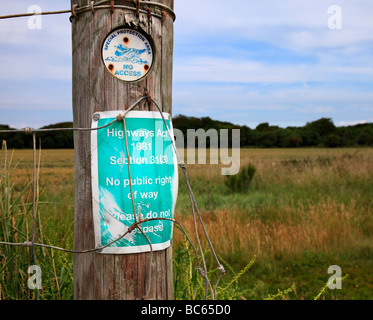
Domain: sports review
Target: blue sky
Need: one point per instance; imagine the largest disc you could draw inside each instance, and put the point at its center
(246, 62)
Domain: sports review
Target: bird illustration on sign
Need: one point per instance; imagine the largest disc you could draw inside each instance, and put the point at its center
(126, 54)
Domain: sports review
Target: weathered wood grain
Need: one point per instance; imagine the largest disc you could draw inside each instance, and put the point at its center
(98, 276)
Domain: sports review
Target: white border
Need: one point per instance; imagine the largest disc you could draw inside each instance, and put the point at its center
(95, 191)
(147, 39)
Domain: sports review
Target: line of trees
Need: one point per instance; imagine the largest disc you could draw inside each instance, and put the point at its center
(319, 133)
(48, 140)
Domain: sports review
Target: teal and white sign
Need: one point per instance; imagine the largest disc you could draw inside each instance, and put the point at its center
(154, 178)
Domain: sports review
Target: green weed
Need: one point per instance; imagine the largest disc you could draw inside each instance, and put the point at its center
(241, 181)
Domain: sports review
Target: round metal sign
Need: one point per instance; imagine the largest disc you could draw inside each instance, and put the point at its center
(127, 54)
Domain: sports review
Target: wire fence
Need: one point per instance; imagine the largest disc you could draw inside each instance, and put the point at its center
(201, 268)
(144, 7)
(161, 11)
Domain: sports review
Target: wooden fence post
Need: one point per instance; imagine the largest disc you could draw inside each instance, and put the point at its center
(100, 276)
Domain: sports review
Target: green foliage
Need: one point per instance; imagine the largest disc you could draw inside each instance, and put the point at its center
(263, 126)
(14, 261)
(255, 281)
(319, 133)
(323, 290)
(48, 140)
(323, 127)
(281, 295)
(241, 181)
(232, 290)
(365, 137)
(16, 227)
(57, 139)
(190, 285)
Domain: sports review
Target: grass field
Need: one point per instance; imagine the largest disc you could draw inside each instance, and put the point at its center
(305, 210)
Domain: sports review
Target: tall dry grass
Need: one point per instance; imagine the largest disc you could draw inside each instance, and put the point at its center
(53, 225)
(325, 227)
(302, 200)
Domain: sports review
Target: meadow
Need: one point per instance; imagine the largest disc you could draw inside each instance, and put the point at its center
(304, 211)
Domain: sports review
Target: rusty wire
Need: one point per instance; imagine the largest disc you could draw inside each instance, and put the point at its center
(92, 6)
(20, 15)
(121, 117)
(34, 202)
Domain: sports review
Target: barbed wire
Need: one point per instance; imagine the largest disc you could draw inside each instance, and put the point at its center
(99, 5)
(136, 225)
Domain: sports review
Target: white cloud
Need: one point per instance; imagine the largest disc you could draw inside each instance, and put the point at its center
(353, 123)
(208, 83)
(32, 53)
(229, 99)
(292, 24)
(34, 67)
(212, 69)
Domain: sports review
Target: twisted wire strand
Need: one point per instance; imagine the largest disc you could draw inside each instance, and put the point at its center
(34, 203)
(195, 206)
(98, 249)
(92, 6)
(20, 15)
(118, 118)
(182, 165)
(133, 202)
